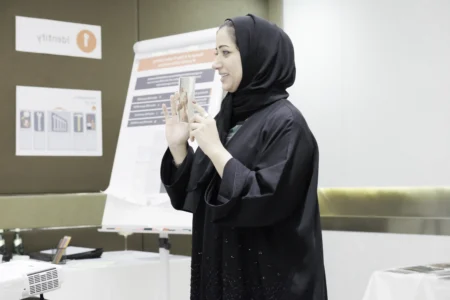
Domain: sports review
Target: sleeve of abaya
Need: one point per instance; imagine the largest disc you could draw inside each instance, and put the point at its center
(275, 187)
(175, 179)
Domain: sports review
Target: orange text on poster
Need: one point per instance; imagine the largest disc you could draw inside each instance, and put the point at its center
(176, 60)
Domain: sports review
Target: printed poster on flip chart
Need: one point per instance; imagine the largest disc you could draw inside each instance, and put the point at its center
(58, 38)
(58, 122)
(142, 143)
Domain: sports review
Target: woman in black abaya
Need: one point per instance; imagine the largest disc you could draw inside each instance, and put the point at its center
(252, 183)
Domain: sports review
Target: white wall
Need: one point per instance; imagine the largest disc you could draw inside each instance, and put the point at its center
(374, 84)
(373, 81)
(351, 257)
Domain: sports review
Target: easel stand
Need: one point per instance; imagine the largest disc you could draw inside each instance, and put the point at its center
(164, 256)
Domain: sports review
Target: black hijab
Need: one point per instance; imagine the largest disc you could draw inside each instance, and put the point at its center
(268, 69)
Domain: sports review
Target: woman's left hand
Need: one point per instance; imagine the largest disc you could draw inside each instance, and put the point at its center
(204, 130)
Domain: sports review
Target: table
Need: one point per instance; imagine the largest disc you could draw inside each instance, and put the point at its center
(117, 276)
(429, 282)
(123, 275)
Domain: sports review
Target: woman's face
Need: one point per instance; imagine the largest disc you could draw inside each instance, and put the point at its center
(228, 61)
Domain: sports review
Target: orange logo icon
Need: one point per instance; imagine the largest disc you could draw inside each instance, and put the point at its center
(86, 41)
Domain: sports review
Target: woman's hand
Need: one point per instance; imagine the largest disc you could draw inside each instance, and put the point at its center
(203, 129)
(177, 127)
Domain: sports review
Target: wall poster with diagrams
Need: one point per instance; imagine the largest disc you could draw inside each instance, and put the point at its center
(58, 122)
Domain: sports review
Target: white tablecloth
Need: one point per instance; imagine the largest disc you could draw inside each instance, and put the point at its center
(412, 283)
(123, 275)
(116, 276)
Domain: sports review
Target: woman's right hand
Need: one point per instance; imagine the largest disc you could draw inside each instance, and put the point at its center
(177, 127)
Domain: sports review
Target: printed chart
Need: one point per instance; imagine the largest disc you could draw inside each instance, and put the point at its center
(58, 122)
(155, 77)
(146, 109)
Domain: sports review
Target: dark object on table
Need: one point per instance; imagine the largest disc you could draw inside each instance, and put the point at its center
(96, 253)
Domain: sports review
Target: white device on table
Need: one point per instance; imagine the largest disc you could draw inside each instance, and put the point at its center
(186, 86)
(27, 278)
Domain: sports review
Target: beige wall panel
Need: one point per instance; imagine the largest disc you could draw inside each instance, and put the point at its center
(110, 75)
(276, 12)
(160, 18)
(57, 210)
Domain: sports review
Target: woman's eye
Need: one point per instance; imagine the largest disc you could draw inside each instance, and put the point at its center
(225, 52)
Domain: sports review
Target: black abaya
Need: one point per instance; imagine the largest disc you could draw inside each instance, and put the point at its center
(256, 231)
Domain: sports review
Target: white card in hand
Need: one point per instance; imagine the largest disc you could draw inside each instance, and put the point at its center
(187, 86)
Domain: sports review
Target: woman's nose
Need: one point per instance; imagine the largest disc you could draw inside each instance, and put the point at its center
(216, 65)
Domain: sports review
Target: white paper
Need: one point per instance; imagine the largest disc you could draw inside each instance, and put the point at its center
(155, 77)
(58, 38)
(58, 122)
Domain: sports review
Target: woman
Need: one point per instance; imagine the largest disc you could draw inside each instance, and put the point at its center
(252, 183)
